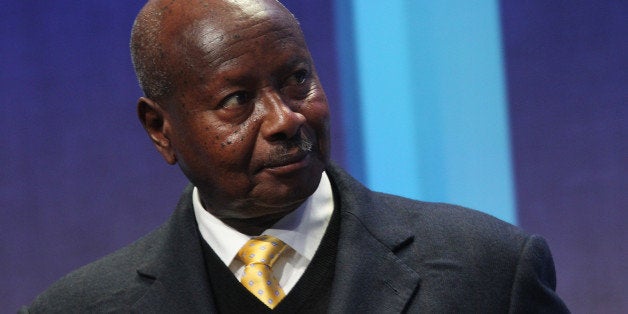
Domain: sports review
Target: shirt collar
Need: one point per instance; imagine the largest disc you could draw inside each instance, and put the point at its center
(302, 229)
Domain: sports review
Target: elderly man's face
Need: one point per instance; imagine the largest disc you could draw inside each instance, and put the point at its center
(248, 124)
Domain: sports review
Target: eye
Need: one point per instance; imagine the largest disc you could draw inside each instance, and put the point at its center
(298, 84)
(234, 100)
(300, 76)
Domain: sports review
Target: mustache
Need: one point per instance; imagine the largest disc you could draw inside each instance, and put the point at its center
(290, 150)
(303, 143)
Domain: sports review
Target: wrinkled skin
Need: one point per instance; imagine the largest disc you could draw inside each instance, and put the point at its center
(248, 122)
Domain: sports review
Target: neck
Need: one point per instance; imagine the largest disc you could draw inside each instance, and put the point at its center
(254, 226)
(247, 218)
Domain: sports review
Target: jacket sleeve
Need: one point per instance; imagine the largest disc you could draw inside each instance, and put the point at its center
(534, 285)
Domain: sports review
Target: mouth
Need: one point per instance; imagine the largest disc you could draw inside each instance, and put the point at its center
(286, 163)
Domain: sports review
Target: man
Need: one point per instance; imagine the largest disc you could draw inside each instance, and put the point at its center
(233, 98)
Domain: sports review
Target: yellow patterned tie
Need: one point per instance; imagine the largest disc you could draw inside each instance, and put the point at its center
(258, 255)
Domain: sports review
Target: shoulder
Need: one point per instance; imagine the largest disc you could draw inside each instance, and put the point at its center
(437, 223)
(442, 225)
(474, 241)
(441, 218)
(108, 284)
(116, 281)
(460, 250)
(468, 261)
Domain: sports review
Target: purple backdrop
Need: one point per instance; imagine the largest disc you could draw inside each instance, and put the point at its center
(79, 177)
(567, 66)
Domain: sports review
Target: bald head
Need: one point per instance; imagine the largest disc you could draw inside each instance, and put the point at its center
(165, 31)
(233, 98)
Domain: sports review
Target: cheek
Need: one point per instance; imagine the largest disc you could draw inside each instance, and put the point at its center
(316, 108)
(199, 142)
(197, 148)
(235, 137)
(236, 146)
(317, 114)
(239, 135)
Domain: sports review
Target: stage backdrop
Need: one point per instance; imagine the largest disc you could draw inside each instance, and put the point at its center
(516, 109)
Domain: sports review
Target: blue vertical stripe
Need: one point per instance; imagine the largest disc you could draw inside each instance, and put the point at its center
(388, 125)
(434, 112)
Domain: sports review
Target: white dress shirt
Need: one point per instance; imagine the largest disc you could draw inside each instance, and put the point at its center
(302, 230)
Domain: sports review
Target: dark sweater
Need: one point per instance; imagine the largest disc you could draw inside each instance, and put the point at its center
(311, 294)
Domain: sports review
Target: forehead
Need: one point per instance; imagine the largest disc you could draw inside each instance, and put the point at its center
(226, 32)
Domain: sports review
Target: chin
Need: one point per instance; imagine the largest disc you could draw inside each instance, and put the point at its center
(288, 197)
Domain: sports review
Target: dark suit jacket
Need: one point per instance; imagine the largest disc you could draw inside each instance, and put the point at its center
(394, 255)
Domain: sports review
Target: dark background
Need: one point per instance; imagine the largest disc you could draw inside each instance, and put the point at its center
(79, 178)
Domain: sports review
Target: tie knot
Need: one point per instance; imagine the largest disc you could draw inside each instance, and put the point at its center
(264, 249)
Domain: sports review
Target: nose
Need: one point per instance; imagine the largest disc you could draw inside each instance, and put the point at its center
(280, 122)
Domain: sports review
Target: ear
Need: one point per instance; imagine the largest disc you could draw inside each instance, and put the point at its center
(154, 119)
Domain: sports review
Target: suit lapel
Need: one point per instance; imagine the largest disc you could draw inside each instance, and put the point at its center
(176, 267)
(369, 276)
